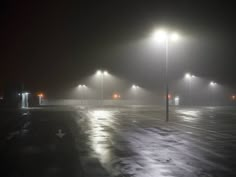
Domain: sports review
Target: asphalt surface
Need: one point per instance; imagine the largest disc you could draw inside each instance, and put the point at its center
(128, 141)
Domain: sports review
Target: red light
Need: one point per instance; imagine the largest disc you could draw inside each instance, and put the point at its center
(169, 96)
(40, 95)
(116, 96)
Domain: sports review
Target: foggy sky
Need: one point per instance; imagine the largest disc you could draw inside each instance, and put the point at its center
(50, 46)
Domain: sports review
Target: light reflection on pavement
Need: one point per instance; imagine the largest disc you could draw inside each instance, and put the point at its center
(139, 143)
(189, 115)
(99, 119)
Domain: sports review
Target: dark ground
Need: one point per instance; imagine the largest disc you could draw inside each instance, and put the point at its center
(120, 141)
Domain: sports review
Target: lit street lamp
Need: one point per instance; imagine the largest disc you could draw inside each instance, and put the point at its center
(189, 77)
(212, 85)
(102, 74)
(82, 90)
(40, 98)
(166, 37)
(134, 88)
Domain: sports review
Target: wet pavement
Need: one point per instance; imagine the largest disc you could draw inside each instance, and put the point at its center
(39, 143)
(128, 141)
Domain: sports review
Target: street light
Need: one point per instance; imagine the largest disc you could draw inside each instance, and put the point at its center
(212, 85)
(82, 88)
(102, 73)
(134, 86)
(40, 95)
(166, 37)
(189, 77)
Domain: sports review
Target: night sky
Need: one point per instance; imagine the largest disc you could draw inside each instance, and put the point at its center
(51, 45)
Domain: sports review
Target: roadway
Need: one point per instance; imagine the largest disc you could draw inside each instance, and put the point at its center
(119, 141)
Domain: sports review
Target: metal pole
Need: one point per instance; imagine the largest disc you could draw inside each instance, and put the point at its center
(167, 82)
(102, 89)
(190, 87)
(82, 95)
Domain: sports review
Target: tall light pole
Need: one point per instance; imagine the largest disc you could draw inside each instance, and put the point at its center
(212, 85)
(40, 98)
(82, 90)
(134, 88)
(166, 37)
(189, 78)
(102, 73)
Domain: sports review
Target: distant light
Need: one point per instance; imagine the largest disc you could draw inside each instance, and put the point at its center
(174, 37)
(212, 83)
(40, 95)
(160, 35)
(163, 35)
(105, 72)
(233, 97)
(187, 75)
(82, 86)
(169, 96)
(176, 98)
(116, 96)
(135, 86)
(99, 72)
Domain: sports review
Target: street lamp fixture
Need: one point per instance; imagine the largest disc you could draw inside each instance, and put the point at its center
(40, 95)
(102, 74)
(82, 89)
(189, 76)
(166, 37)
(135, 86)
(212, 83)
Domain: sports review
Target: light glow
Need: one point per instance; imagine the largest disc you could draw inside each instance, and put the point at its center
(164, 35)
(160, 35)
(99, 72)
(116, 96)
(174, 37)
(40, 95)
(135, 86)
(189, 76)
(212, 83)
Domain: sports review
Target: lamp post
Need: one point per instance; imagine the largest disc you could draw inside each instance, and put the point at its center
(102, 74)
(134, 88)
(82, 90)
(189, 78)
(40, 98)
(212, 85)
(166, 37)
